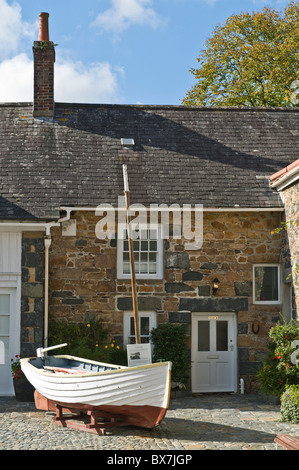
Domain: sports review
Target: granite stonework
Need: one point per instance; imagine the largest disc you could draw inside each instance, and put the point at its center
(32, 292)
(290, 197)
(83, 279)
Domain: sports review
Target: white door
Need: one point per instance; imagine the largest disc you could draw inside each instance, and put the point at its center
(9, 338)
(213, 352)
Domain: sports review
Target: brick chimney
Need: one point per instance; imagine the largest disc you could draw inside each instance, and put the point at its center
(44, 58)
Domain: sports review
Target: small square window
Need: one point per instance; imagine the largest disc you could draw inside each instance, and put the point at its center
(147, 321)
(266, 284)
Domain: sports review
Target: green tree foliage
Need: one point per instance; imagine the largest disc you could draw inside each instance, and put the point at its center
(251, 60)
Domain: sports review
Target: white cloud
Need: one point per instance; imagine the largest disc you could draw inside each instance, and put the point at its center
(74, 82)
(16, 79)
(125, 13)
(12, 29)
(95, 83)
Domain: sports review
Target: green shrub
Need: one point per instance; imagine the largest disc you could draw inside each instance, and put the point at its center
(87, 340)
(289, 410)
(170, 344)
(270, 378)
(278, 369)
(115, 354)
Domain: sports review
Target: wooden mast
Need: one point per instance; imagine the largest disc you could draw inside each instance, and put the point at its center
(131, 254)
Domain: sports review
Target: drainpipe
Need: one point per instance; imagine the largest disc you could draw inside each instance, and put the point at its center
(47, 243)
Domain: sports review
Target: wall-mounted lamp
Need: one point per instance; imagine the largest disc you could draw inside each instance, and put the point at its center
(215, 285)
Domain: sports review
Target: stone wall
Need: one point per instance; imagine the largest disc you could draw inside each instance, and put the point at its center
(290, 197)
(84, 284)
(32, 292)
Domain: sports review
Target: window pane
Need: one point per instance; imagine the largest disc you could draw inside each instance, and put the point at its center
(153, 234)
(144, 246)
(203, 336)
(132, 327)
(126, 268)
(144, 326)
(143, 262)
(144, 234)
(221, 335)
(266, 283)
(4, 303)
(144, 339)
(143, 268)
(153, 246)
(4, 325)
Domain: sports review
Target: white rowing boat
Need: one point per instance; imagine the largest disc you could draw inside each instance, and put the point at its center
(138, 395)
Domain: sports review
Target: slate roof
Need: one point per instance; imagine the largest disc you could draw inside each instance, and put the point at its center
(217, 157)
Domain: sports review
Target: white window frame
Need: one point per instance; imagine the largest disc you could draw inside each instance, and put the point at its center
(157, 275)
(130, 314)
(267, 302)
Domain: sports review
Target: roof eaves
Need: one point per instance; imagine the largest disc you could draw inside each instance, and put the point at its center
(285, 177)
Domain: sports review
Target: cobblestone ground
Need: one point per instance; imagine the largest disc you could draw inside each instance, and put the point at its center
(206, 422)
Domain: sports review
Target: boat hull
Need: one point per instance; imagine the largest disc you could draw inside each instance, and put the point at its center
(141, 416)
(136, 395)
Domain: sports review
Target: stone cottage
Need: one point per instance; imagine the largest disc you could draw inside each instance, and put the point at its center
(61, 166)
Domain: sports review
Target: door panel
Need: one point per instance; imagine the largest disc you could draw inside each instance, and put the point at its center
(7, 339)
(213, 353)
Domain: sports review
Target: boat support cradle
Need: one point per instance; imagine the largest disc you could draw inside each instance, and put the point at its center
(76, 419)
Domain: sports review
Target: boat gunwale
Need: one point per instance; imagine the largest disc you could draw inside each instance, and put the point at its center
(117, 369)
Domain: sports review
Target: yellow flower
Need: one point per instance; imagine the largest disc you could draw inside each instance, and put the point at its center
(106, 347)
(112, 345)
(88, 325)
(117, 347)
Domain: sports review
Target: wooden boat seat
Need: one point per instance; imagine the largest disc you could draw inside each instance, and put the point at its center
(288, 442)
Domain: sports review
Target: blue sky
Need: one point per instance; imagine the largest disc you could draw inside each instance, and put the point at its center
(112, 51)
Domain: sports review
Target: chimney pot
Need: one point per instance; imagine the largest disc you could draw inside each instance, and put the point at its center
(43, 34)
(44, 58)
